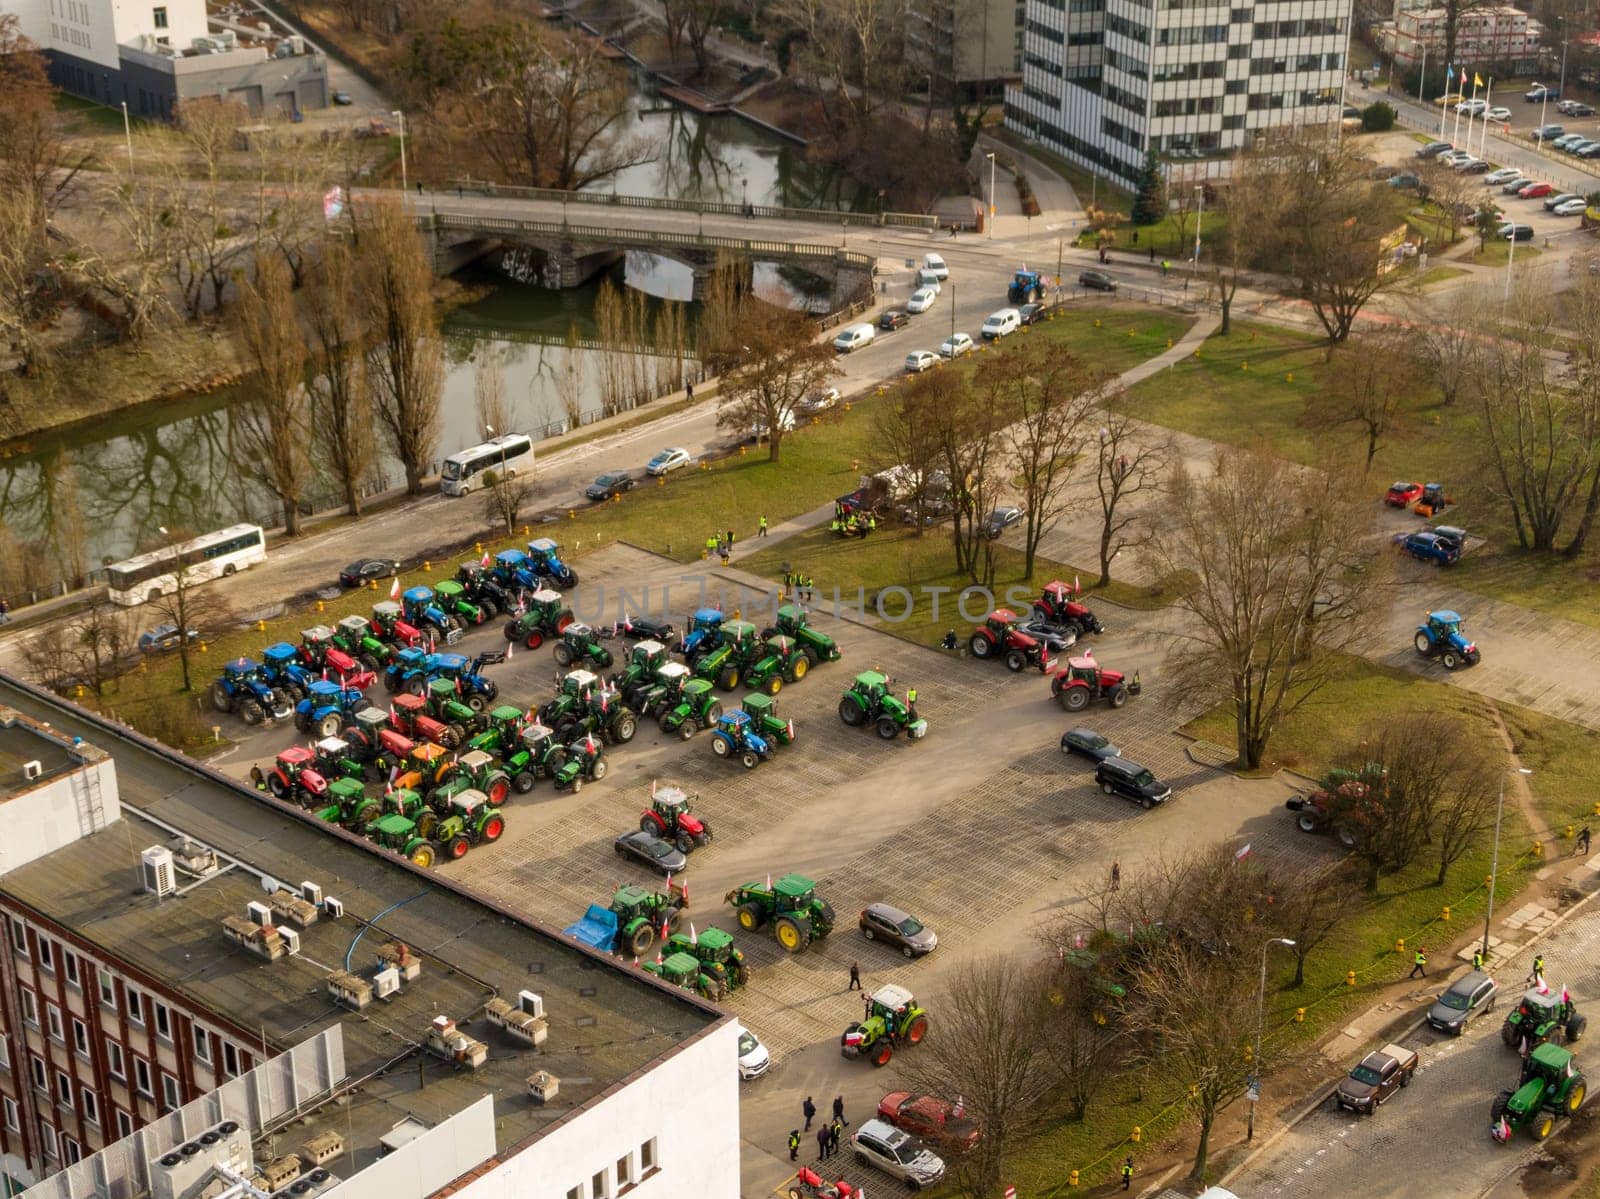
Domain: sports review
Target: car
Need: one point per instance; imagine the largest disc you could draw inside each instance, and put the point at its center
(1403, 494)
(1376, 1077)
(162, 638)
(1503, 175)
(1472, 106)
(818, 401)
(921, 300)
(786, 424)
(1565, 140)
(1096, 281)
(1468, 997)
(928, 279)
(1451, 535)
(929, 1117)
(342, 99)
(1031, 314)
(1431, 149)
(1477, 166)
(1515, 184)
(364, 569)
(1515, 233)
(1451, 157)
(853, 337)
(650, 850)
(1582, 147)
(1001, 519)
(1405, 179)
(897, 929)
(1498, 113)
(612, 483)
(1092, 745)
(668, 460)
(1118, 776)
(955, 345)
(1054, 637)
(892, 319)
(1592, 152)
(1540, 92)
(1572, 207)
(1428, 546)
(754, 1060)
(881, 1145)
(1575, 108)
(1548, 133)
(935, 265)
(1000, 324)
(921, 360)
(1552, 202)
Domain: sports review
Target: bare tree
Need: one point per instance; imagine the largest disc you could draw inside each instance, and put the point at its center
(24, 253)
(1278, 586)
(1449, 336)
(406, 368)
(275, 421)
(341, 403)
(292, 174)
(1132, 460)
(489, 391)
(781, 363)
(903, 439)
(1372, 377)
(1583, 317)
(1080, 1044)
(200, 208)
(1455, 194)
(36, 158)
(135, 279)
(969, 444)
(189, 604)
(1309, 905)
(88, 650)
(505, 496)
(1245, 238)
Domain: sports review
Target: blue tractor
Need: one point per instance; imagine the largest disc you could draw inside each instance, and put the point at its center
(1027, 287)
(422, 610)
(1440, 636)
(284, 671)
(476, 689)
(736, 737)
(704, 635)
(245, 690)
(514, 571)
(328, 708)
(544, 556)
(407, 671)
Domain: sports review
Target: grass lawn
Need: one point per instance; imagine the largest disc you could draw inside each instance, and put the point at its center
(1498, 253)
(1438, 274)
(90, 117)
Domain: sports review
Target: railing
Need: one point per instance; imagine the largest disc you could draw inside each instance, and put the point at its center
(824, 216)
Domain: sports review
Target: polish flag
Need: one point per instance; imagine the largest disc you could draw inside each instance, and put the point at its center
(669, 882)
(510, 645)
(694, 937)
(485, 561)
(394, 588)
(791, 730)
(588, 743)
(652, 796)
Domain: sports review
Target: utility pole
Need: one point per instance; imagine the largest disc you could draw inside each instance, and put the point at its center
(127, 134)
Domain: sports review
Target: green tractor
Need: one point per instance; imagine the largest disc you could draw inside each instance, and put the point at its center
(715, 952)
(403, 801)
(545, 615)
(1552, 1086)
(468, 820)
(798, 915)
(584, 759)
(632, 922)
(1540, 1017)
(818, 647)
(452, 597)
(698, 708)
(725, 663)
(683, 970)
(892, 1018)
(763, 710)
(662, 694)
(349, 805)
(443, 703)
(399, 834)
(538, 753)
(581, 644)
(869, 701)
(478, 771)
(335, 759)
(638, 676)
(567, 709)
(354, 635)
(780, 661)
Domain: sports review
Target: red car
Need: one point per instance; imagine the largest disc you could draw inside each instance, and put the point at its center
(1403, 495)
(1534, 190)
(934, 1120)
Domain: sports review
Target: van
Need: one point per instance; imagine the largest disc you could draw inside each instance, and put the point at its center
(999, 324)
(934, 264)
(927, 278)
(1119, 776)
(853, 337)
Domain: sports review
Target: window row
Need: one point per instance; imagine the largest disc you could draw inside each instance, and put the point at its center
(631, 1168)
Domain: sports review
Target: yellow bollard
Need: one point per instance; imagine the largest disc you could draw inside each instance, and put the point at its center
(704, 465)
(1137, 1134)
(427, 567)
(1097, 322)
(1572, 831)
(1595, 811)
(1169, 343)
(855, 465)
(204, 648)
(1072, 1178)
(372, 584)
(1400, 945)
(742, 450)
(261, 626)
(882, 389)
(736, 614)
(77, 691)
(1299, 1015)
(1249, 1053)
(1538, 849)
(571, 515)
(321, 606)
(526, 531)
(477, 548)
(143, 666)
(1445, 914)
(1244, 366)
(617, 499)
(1289, 378)
(661, 480)
(1488, 881)
(1349, 978)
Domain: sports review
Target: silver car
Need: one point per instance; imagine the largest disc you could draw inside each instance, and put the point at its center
(887, 1148)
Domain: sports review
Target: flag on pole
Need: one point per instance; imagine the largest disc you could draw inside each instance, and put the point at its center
(394, 588)
(485, 559)
(1476, 81)
(1243, 853)
(510, 647)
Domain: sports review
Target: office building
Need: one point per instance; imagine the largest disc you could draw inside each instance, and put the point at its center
(1498, 36)
(965, 48)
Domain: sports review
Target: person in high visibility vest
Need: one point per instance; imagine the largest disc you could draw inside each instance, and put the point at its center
(1477, 959)
(761, 529)
(1127, 1172)
(1419, 962)
(794, 1144)
(911, 702)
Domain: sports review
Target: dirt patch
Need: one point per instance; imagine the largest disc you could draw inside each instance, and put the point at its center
(1562, 1161)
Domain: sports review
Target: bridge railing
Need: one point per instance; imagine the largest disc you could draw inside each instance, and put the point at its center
(771, 212)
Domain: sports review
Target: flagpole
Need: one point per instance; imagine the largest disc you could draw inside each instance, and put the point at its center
(1455, 130)
(1472, 111)
(1422, 82)
(1488, 103)
(1449, 74)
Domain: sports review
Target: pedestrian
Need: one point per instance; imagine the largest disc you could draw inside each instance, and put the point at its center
(911, 702)
(838, 1110)
(835, 1132)
(688, 391)
(810, 1111)
(1166, 268)
(711, 545)
(1536, 975)
(822, 1141)
(855, 977)
(794, 1144)
(259, 779)
(1116, 876)
(723, 550)
(949, 641)
(419, 187)
(1419, 962)
(1583, 835)
(5, 610)
(952, 230)
(731, 539)
(1135, 237)
(1477, 959)
(761, 529)
(1152, 254)
(1127, 1172)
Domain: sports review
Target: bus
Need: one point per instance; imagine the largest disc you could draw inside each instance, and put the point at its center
(464, 471)
(150, 576)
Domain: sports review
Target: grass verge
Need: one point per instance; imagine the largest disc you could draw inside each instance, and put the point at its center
(1498, 253)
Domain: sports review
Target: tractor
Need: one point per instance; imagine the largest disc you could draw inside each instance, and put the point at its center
(571, 703)
(503, 737)
(481, 773)
(349, 806)
(892, 1018)
(1058, 604)
(736, 737)
(1441, 637)
(584, 759)
(683, 970)
(638, 676)
(870, 702)
(422, 610)
(391, 627)
(1543, 1016)
(763, 712)
(398, 834)
(283, 670)
(293, 777)
(1083, 679)
(542, 753)
(664, 694)
(484, 588)
(474, 687)
(329, 707)
(607, 717)
(334, 760)
(416, 767)
(544, 557)
(513, 571)
(545, 614)
(408, 716)
(999, 637)
(407, 671)
(1551, 1086)
(321, 653)
(364, 737)
(580, 645)
(670, 816)
(632, 922)
(452, 597)
(245, 690)
(1340, 805)
(1027, 287)
(779, 661)
(1433, 500)
(704, 633)
(354, 635)
(716, 954)
(445, 707)
(817, 647)
(798, 915)
(403, 801)
(468, 820)
(724, 663)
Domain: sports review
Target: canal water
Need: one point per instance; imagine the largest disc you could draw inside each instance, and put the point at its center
(110, 486)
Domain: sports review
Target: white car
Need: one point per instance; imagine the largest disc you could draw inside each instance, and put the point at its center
(1451, 157)
(999, 324)
(1571, 207)
(667, 460)
(786, 423)
(1466, 164)
(935, 265)
(955, 345)
(1498, 114)
(1503, 175)
(921, 300)
(754, 1060)
(853, 337)
(818, 401)
(879, 1144)
(920, 360)
(1472, 106)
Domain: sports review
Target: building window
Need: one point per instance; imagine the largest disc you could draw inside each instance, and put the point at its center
(230, 1060)
(163, 1021)
(63, 1088)
(124, 1124)
(624, 1171)
(600, 1186)
(36, 1068)
(114, 1060)
(108, 990)
(160, 16)
(12, 1122)
(169, 1091)
(47, 1138)
(30, 1007)
(5, 1051)
(202, 1046)
(69, 960)
(19, 936)
(52, 1015)
(47, 956)
(574, 1193)
(141, 1077)
(135, 1006)
(647, 1157)
(91, 1105)
(70, 1152)
(80, 1036)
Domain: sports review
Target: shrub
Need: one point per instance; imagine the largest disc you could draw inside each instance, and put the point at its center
(1377, 117)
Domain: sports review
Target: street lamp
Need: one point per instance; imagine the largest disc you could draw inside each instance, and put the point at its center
(1200, 217)
(990, 222)
(127, 134)
(1494, 860)
(1261, 1011)
(401, 118)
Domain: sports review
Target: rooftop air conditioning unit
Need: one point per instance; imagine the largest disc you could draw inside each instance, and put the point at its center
(291, 938)
(531, 1003)
(386, 982)
(32, 770)
(334, 908)
(310, 892)
(258, 912)
(156, 863)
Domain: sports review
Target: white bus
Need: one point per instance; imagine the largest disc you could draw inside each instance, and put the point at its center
(464, 471)
(152, 575)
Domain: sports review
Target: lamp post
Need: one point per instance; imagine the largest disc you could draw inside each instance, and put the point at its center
(127, 134)
(401, 118)
(1494, 859)
(1261, 1012)
(1200, 216)
(989, 225)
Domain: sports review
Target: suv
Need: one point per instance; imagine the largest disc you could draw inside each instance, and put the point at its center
(1118, 776)
(879, 1144)
(1470, 995)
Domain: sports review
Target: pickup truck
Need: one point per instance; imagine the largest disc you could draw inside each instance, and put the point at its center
(1379, 1075)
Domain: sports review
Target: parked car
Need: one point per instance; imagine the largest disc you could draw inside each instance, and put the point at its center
(1031, 314)
(1575, 108)
(1572, 207)
(1469, 996)
(1503, 175)
(1432, 149)
(1580, 148)
(1378, 1075)
(885, 1147)
(892, 319)
(1403, 494)
(162, 638)
(667, 461)
(1478, 166)
(1405, 180)
(1472, 106)
(897, 929)
(754, 1060)
(1000, 324)
(613, 482)
(955, 345)
(1001, 519)
(1054, 637)
(1592, 151)
(342, 99)
(929, 1117)
(927, 278)
(1498, 113)
(935, 265)
(1096, 281)
(1566, 139)
(1428, 546)
(786, 424)
(364, 569)
(818, 401)
(921, 300)
(1515, 184)
(1551, 202)
(1540, 92)
(1451, 157)
(853, 337)
(1548, 133)
(651, 851)
(1118, 776)
(920, 360)
(1515, 232)
(1089, 743)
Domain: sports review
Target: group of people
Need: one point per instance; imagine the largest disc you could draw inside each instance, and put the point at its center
(801, 586)
(852, 522)
(828, 1134)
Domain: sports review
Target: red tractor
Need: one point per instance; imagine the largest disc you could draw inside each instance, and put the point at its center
(1084, 679)
(670, 816)
(319, 651)
(294, 777)
(388, 621)
(1058, 603)
(408, 714)
(999, 637)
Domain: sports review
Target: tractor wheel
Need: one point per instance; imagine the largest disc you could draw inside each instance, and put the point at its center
(980, 646)
(623, 731)
(251, 713)
(422, 853)
(721, 746)
(330, 725)
(739, 973)
(1345, 835)
(523, 782)
(1424, 646)
(302, 721)
(598, 770)
(916, 1030)
(705, 837)
(535, 639)
(1016, 660)
(391, 682)
(642, 938)
(493, 828)
(1575, 1097)
(882, 1054)
(1450, 659)
(1498, 1107)
(812, 656)
(277, 785)
(1544, 1125)
(674, 920)
(456, 848)
(851, 713)
(1508, 1034)
(791, 934)
(449, 737)
(888, 729)
(1074, 699)
(605, 660)
(563, 655)
(513, 630)
(1575, 1027)
(370, 661)
(478, 702)
(563, 619)
(415, 685)
(1307, 823)
(799, 668)
(749, 760)
(220, 699)
(497, 787)
(1118, 696)
(773, 685)
(710, 988)
(728, 679)
(426, 823)
(750, 917)
(685, 843)
(687, 729)
(713, 713)
(490, 611)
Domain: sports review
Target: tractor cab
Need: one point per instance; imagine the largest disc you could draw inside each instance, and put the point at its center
(331, 753)
(648, 657)
(675, 675)
(446, 666)
(705, 629)
(241, 671)
(315, 643)
(389, 620)
(630, 903)
(714, 945)
(542, 551)
(1026, 287)
(506, 719)
(355, 629)
(295, 759)
(280, 658)
(679, 969)
(1058, 603)
(511, 568)
(580, 685)
(369, 722)
(324, 694)
(545, 598)
(794, 893)
(470, 804)
(441, 691)
(871, 685)
(1083, 669)
(422, 764)
(537, 740)
(742, 637)
(1002, 622)
(763, 711)
(451, 592)
(470, 574)
(892, 1004)
(670, 803)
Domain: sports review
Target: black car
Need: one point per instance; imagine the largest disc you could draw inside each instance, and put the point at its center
(643, 628)
(342, 99)
(1030, 314)
(1088, 743)
(1433, 149)
(1470, 995)
(162, 638)
(1001, 519)
(613, 482)
(895, 318)
(1096, 281)
(362, 569)
(1054, 637)
(650, 850)
(1118, 776)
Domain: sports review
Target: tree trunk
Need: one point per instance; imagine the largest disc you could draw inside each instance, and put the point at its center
(1372, 872)
(413, 478)
(291, 518)
(1227, 315)
(1299, 970)
(1198, 1173)
(352, 497)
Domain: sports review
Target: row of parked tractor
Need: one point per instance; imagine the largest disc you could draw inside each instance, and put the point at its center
(1057, 621)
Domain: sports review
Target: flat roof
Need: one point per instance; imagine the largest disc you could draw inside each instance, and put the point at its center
(606, 1022)
(21, 742)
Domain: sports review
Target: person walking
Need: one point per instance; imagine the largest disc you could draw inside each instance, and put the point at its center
(711, 545)
(855, 977)
(838, 1110)
(810, 1111)
(1166, 268)
(794, 1144)
(822, 1141)
(1127, 1172)
(688, 391)
(1419, 963)
(1583, 835)
(5, 610)
(731, 539)
(1477, 959)
(835, 1131)
(1536, 975)
(1116, 876)
(1152, 254)
(911, 702)
(761, 528)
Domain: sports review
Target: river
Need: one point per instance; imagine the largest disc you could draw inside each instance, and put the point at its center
(108, 488)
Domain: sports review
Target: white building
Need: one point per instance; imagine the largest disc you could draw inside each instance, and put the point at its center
(1484, 36)
(1106, 81)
